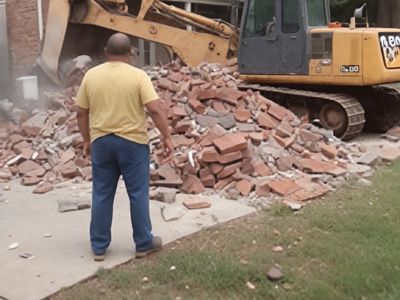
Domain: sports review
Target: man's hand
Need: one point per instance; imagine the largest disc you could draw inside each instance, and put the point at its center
(157, 113)
(86, 148)
(168, 150)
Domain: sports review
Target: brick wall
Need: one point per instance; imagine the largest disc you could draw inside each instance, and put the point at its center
(23, 34)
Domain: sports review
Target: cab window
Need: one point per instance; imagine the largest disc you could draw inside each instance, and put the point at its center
(260, 14)
(290, 16)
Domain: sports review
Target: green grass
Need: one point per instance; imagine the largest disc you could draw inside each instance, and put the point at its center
(346, 246)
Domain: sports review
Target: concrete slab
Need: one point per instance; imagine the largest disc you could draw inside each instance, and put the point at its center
(65, 258)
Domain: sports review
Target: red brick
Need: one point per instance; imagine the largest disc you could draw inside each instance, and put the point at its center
(308, 136)
(219, 107)
(285, 163)
(261, 168)
(16, 138)
(284, 187)
(43, 188)
(27, 166)
(177, 112)
(18, 148)
(167, 172)
(278, 111)
(221, 184)
(197, 81)
(284, 129)
(301, 195)
(204, 173)
(256, 137)
(197, 106)
(69, 170)
(208, 181)
(180, 140)
(230, 143)
(229, 170)
(216, 168)
(30, 180)
(242, 115)
(164, 83)
(298, 148)
(26, 153)
(262, 188)
(82, 162)
(213, 133)
(39, 172)
(192, 185)
(209, 154)
(175, 76)
(329, 151)
(229, 95)
(182, 127)
(230, 157)
(207, 94)
(68, 155)
(319, 167)
(267, 121)
(196, 203)
(247, 167)
(244, 187)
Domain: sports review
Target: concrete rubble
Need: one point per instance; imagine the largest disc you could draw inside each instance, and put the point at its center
(235, 143)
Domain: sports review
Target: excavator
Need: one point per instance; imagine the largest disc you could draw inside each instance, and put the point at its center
(286, 49)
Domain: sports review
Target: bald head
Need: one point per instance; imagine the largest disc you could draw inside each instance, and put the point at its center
(118, 44)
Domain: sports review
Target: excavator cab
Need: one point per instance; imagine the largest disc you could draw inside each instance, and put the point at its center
(275, 35)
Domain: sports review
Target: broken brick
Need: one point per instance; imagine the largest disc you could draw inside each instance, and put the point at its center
(284, 187)
(229, 170)
(30, 180)
(229, 95)
(244, 187)
(328, 150)
(308, 136)
(230, 143)
(43, 188)
(192, 185)
(242, 115)
(262, 188)
(230, 157)
(27, 166)
(196, 203)
(197, 106)
(266, 121)
(216, 168)
(207, 94)
(261, 168)
(209, 154)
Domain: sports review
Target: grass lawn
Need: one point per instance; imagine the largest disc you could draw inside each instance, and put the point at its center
(346, 246)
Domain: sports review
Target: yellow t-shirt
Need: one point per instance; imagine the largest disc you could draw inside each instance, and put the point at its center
(115, 94)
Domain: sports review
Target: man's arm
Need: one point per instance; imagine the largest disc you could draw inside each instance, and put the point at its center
(83, 124)
(157, 114)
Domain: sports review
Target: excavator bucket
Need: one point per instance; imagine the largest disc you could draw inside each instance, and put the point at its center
(56, 28)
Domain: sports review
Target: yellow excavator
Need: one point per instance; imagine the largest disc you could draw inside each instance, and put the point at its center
(344, 76)
(78, 27)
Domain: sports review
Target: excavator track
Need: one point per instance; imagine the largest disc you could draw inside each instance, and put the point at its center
(355, 115)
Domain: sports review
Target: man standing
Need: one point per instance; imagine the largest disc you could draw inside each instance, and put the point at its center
(112, 99)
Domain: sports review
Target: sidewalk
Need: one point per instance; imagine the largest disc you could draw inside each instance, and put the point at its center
(65, 258)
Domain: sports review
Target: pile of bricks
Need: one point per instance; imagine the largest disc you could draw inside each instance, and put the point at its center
(45, 148)
(237, 143)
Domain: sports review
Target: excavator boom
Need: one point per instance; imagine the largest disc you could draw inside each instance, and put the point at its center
(214, 41)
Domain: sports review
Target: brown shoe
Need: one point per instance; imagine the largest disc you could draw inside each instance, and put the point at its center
(99, 257)
(157, 246)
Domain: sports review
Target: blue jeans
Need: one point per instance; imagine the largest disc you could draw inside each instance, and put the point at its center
(111, 157)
